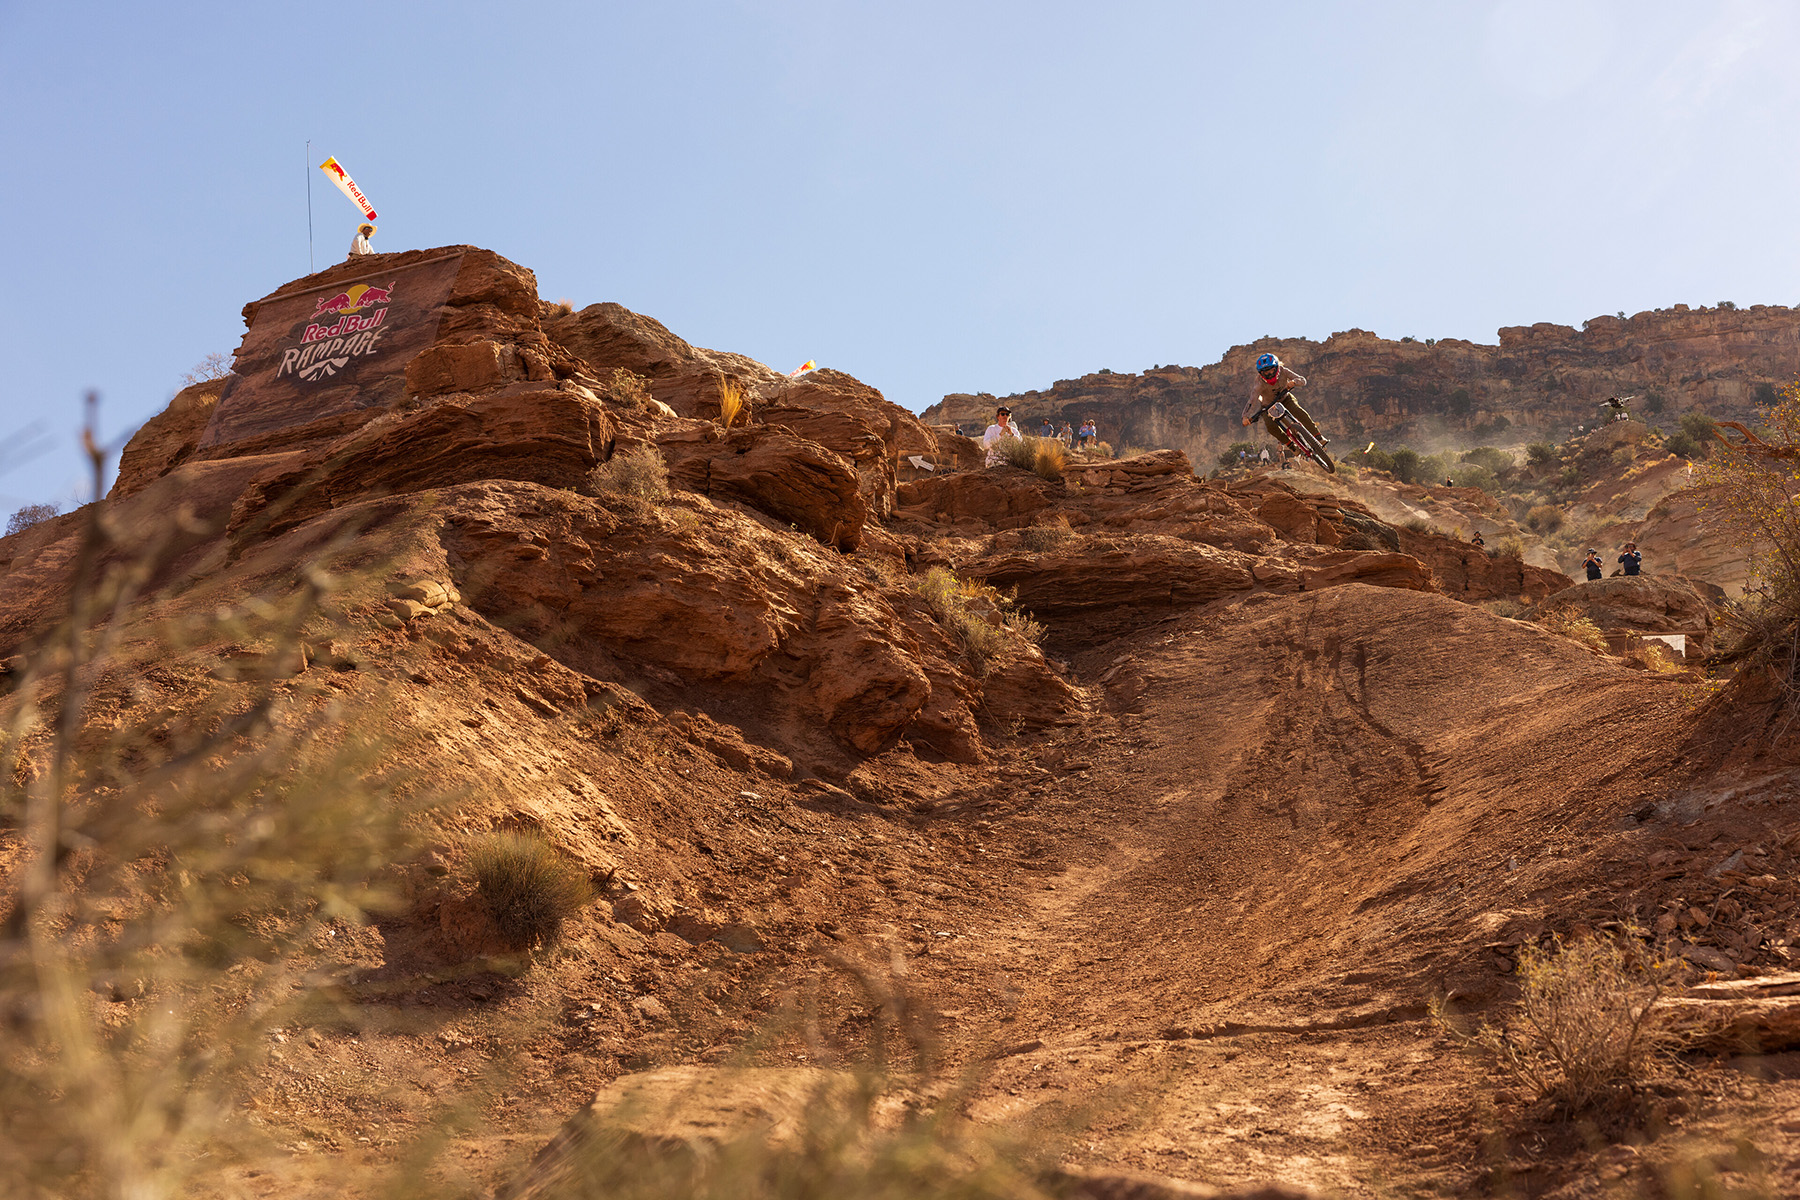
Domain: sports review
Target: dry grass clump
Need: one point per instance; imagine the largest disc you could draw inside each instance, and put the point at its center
(1544, 518)
(1049, 458)
(1581, 1036)
(732, 402)
(1504, 607)
(626, 388)
(1660, 659)
(637, 477)
(980, 617)
(527, 886)
(1570, 623)
(1422, 525)
(563, 307)
(1039, 539)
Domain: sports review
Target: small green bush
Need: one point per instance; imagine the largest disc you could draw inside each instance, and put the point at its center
(972, 612)
(1229, 457)
(1540, 454)
(1702, 429)
(1018, 452)
(1489, 457)
(527, 886)
(1509, 547)
(1570, 623)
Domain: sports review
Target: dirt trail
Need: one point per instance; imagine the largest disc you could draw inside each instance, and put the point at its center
(1324, 809)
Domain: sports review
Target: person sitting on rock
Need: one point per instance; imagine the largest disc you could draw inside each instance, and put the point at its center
(1278, 383)
(1631, 560)
(1593, 565)
(364, 232)
(1001, 429)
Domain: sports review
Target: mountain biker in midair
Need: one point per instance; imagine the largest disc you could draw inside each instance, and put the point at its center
(1277, 379)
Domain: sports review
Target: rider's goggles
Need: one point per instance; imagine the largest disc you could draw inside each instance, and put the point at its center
(1271, 374)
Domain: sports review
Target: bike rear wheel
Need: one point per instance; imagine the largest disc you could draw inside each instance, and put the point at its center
(1311, 445)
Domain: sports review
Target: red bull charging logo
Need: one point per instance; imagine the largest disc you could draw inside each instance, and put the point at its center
(326, 348)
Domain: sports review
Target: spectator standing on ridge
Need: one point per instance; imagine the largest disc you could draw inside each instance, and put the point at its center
(1046, 430)
(1001, 429)
(364, 232)
(1478, 540)
(1067, 436)
(1592, 563)
(1264, 456)
(1631, 560)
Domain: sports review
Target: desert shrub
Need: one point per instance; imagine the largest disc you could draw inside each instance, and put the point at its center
(1544, 518)
(1406, 465)
(1229, 456)
(1491, 458)
(637, 477)
(1103, 449)
(1378, 459)
(1508, 547)
(1540, 454)
(1654, 402)
(31, 514)
(1702, 429)
(627, 389)
(1570, 623)
(214, 366)
(1018, 452)
(563, 308)
(527, 886)
(1571, 475)
(1473, 475)
(1582, 1035)
(1754, 485)
(1421, 525)
(1623, 456)
(1683, 445)
(1503, 607)
(1659, 658)
(972, 612)
(1767, 393)
(227, 835)
(1040, 538)
(732, 402)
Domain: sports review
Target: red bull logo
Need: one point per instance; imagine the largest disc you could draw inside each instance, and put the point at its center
(346, 304)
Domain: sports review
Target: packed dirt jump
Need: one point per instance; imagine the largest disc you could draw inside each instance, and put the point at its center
(1172, 826)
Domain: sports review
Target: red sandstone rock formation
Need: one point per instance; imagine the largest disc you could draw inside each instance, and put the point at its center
(1541, 378)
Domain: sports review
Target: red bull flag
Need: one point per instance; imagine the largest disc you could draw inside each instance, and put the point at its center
(802, 369)
(336, 173)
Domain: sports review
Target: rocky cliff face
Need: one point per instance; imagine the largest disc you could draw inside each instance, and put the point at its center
(1539, 380)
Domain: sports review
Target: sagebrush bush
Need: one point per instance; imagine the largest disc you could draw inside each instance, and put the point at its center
(1018, 452)
(1049, 458)
(1041, 538)
(1544, 518)
(527, 886)
(1582, 1034)
(626, 388)
(636, 476)
(1508, 547)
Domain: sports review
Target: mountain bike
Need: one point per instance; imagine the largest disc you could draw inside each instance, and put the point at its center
(1296, 435)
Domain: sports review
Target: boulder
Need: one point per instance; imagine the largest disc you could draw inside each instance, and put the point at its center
(773, 470)
(532, 432)
(1140, 575)
(991, 498)
(1639, 604)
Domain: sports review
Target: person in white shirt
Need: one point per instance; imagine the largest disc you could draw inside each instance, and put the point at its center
(361, 245)
(1000, 429)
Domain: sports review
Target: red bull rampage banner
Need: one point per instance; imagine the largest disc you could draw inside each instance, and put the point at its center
(317, 354)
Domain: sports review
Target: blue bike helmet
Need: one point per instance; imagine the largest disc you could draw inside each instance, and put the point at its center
(1266, 363)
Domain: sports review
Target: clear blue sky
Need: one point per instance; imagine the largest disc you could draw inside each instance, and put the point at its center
(932, 196)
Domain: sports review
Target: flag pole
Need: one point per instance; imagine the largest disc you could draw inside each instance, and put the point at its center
(309, 240)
